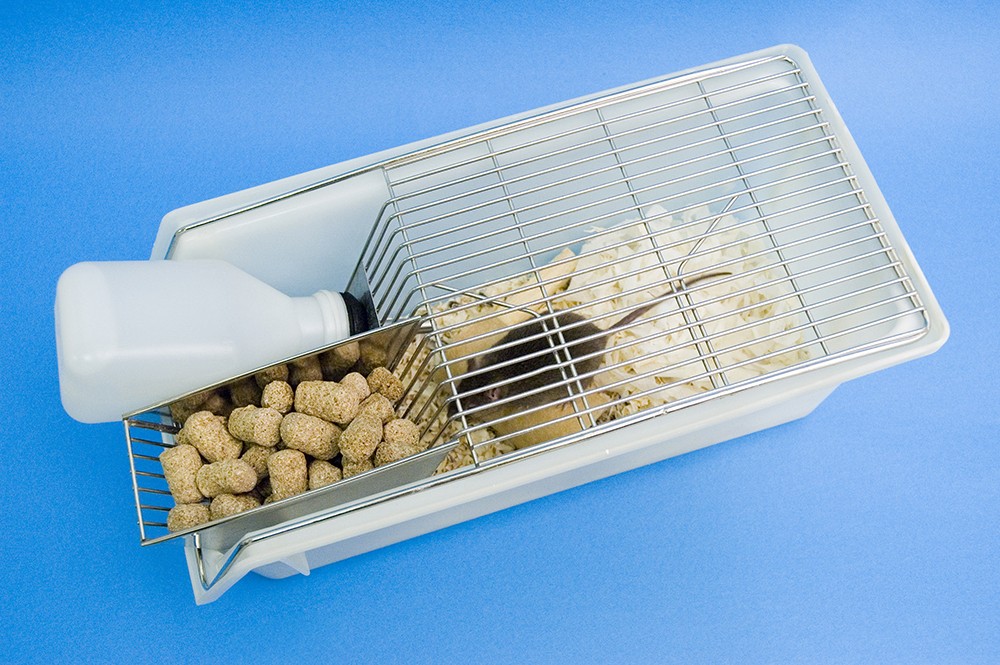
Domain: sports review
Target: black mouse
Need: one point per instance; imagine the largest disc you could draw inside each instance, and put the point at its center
(524, 363)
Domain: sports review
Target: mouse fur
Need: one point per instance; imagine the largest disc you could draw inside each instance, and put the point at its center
(525, 363)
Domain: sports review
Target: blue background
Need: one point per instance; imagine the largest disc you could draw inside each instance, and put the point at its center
(867, 532)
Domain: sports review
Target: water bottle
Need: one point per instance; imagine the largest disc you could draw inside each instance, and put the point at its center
(130, 334)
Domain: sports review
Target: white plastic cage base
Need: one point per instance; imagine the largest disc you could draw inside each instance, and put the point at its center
(262, 231)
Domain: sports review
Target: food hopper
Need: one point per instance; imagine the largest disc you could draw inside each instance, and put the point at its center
(731, 194)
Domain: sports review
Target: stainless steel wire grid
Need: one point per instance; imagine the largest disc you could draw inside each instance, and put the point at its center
(733, 170)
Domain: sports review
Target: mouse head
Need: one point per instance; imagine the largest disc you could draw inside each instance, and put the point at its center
(480, 387)
(523, 365)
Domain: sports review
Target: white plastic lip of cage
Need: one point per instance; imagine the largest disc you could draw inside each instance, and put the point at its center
(261, 231)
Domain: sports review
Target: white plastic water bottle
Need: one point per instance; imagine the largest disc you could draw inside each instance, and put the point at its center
(130, 334)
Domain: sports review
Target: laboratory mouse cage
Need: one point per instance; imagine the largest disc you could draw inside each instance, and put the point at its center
(725, 207)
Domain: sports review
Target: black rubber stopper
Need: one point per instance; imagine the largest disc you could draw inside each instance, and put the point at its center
(357, 314)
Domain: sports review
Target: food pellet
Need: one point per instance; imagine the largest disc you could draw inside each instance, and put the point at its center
(279, 396)
(187, 515)
(218, 404)
(354, 468)
(256, 425)
(372, 355)
(385, 382)
(323, 473)
(402, 431)
(358, 384)
(361, 437)
(327, 400)
(275, 373)
(180, 413)
(256, 456)
(182, 409)
(207, 432)
(339, 361)
(305, 369)
(291, 437)
(230, 476)
(245, 392)
(180, 466)
(393, 451)
(378, 405)
(310, 435)
(194, 400)
(225, 505)
(288, 473)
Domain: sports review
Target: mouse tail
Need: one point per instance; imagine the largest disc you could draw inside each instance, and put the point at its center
(642, 309)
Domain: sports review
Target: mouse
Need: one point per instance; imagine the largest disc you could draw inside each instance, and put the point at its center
(539, 366)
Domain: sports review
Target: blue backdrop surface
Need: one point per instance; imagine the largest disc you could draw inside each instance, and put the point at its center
(867, 532)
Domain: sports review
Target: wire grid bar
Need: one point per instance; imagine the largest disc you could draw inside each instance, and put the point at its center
(732, 159)
(148, 482)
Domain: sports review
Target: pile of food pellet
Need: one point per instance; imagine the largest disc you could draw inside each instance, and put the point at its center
(286, 430)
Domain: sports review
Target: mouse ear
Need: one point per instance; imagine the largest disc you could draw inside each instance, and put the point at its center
(472, 364)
